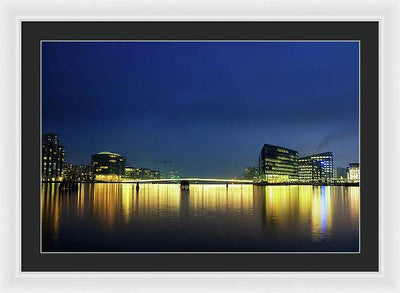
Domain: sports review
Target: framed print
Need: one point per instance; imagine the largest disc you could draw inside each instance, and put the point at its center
(200, 146)
(203, 93)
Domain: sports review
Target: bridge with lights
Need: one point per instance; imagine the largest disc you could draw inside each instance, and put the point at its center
(190, 181)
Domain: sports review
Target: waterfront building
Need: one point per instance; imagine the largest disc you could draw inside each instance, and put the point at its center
(251, 173)
(278, 164)
(353, 172)
(173, 174)
(317, 168)
(340, 174)
(84, 173)
(69, 173)
(53, 155)
(141, 173)
(144, 173)
(108, 166)
(79, 173)
(131, 173)
(155, 174)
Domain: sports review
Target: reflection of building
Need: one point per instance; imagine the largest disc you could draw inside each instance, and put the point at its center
(108, 166)
(251, 173)
(53, 155)
(317, 168)
(353, 172)
(278, 164)
(340, 174)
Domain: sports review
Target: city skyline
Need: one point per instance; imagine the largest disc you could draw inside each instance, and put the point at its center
(201, 104)
(313, 168)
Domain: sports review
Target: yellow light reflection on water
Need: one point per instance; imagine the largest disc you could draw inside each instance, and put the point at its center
(281, 205)
(311, 210)
(217, 198)
(51, 207)
(127, 201)
(354, 202)
(282, 212)
(158, 199)
(81, 201)
(105, 203)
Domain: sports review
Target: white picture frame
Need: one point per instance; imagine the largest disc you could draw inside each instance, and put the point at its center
(11, 15)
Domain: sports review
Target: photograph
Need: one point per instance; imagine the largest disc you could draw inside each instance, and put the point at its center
(200, 146)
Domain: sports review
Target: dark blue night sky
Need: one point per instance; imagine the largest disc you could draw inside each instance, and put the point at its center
(207, 106)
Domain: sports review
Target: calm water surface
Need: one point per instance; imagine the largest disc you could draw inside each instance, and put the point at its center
(161, 217)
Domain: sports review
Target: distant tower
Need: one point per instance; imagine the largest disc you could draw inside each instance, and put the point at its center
(53, 155)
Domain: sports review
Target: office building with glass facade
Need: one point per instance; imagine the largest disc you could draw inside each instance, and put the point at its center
(317, 168)
(278, 164)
